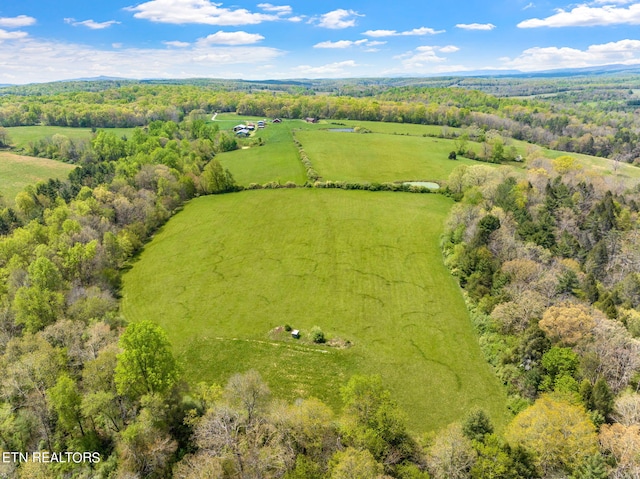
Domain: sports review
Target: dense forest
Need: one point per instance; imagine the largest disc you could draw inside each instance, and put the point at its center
(549, 265)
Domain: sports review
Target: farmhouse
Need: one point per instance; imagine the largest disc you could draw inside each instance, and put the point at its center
(239, 127)
(243, 133)
(276, 120)
(311, 120)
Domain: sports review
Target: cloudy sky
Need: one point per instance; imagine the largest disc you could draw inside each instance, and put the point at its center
(44, 40)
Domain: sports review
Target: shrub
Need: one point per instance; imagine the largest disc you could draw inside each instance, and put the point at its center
(317, 336)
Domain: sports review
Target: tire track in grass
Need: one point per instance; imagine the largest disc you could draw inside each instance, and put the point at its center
(411, 283)
(435, 361)
(274, 344)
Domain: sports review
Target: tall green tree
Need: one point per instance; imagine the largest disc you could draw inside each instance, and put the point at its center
(560, 435)
(216, 179)
(146, 364)
(373, 421)
(4, 137)
(65, 399)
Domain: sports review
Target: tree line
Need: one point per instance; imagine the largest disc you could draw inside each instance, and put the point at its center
(568, 126)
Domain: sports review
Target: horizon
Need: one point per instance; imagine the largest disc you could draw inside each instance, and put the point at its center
(184, 39)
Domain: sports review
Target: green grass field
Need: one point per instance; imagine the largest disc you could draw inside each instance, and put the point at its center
(364, 267)
(392, 152)
(17, 171)
(277, 160)
(593, 166)
(20, 136)
(339, 156)
(379, 157)
(391, 128)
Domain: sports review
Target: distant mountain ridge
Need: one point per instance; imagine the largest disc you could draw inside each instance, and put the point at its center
(305, 82)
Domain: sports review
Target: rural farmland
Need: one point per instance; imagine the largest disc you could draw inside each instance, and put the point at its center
(346, 262)
(18, 171)
(190, 297)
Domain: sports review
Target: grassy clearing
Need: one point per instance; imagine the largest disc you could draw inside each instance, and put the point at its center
(379, 157)
(17, 171)
(277, 160)
(392, 128)
(593, 166)
(21, 135)
(364, 267)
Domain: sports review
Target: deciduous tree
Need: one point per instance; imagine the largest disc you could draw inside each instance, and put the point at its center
(146, 364)
(559, 434)
(451, 456)
(354, 464)
(568, 323)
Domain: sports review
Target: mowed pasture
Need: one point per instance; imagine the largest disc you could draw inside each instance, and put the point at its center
(21, 136)
(410, 129)
(17, 172)
(378, 157)
(391, 152)
(275, 160)
(225, 273)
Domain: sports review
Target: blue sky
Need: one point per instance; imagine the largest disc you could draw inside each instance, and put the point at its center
(44, 40)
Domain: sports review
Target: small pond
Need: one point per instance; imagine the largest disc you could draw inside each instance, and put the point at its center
(425, 184)
(342, 130)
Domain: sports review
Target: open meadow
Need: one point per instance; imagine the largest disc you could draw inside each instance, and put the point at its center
(392, 152)
(229, 272)
(379, 157)
(18, 171)
(20, 136)
(396, 152)
(276, 160)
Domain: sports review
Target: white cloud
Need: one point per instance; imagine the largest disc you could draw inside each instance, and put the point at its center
(29, 60)
(625, 52)
(528, 6)
(381, 33)
(5, 35)
(449, 49)
(393, 33)
(198, 11)
(424, 60)
(338, 19)
(339, 44)
(16, 22)
(586, 16)
(419, 57)
(117, 45)
(476, 26)
(331, 69)
(280, 10)
(231, 38)
(177, 44)
(90, 23)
